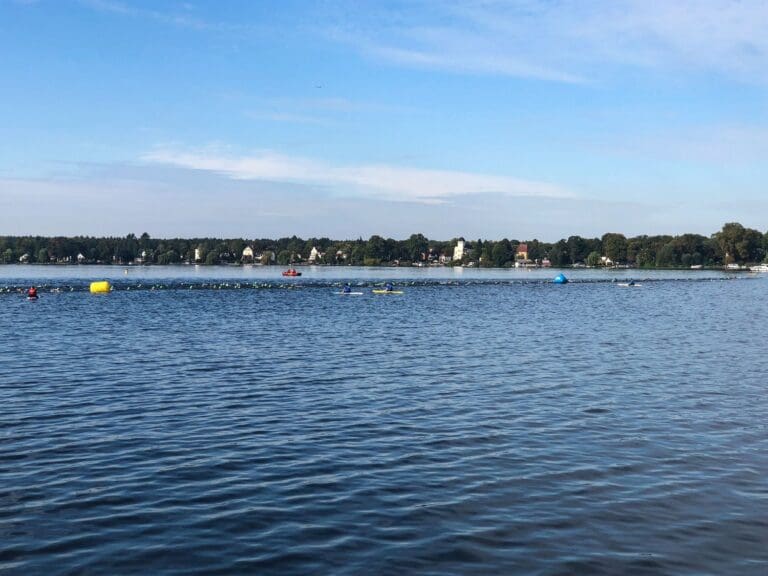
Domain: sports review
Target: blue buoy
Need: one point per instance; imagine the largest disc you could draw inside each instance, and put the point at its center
(560, 279)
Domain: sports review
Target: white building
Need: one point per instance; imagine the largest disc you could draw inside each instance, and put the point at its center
(458, 250)
(198, 255)
(313, 255)
(247, 254)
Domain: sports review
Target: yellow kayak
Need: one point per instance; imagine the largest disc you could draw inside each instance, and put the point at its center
(387, 291)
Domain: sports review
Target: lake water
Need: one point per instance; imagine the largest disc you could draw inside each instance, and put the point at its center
(484, 422)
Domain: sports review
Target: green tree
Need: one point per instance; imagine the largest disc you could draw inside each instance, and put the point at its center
(169, 257)
(577, 249)
(486, 256)
(535, 251)
(558, 254)
(502, 253)
(615, 247)
(667, 257)
(593, 259)
(740, 244)
(236, 247)
(728, 237)
(295, 246)
(764, 246)
(357, 255)
(127, 249)
(284, 257)
(645, 258)
(415, 246)
(375, 248)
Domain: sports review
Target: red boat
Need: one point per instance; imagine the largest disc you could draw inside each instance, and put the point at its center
(291, 272)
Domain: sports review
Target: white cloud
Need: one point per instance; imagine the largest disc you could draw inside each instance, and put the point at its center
(478, 59)
(180, 19)
(287, 117)
(170, 202)
(108, 6)
(373, 180)
(566, 40)
(720, 145)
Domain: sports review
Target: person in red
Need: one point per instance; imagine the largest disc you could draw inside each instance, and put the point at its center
(32, 293)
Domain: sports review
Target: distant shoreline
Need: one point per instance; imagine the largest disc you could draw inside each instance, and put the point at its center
(744, 268)
(734, 247)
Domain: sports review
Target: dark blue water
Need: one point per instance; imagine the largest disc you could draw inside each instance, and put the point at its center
(466, 428)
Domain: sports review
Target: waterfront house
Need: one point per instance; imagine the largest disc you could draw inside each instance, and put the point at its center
(521, 257)
(458, 251)
(247, 256)
(314, 255)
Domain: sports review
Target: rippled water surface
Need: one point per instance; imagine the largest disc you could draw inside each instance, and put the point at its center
(476, 424)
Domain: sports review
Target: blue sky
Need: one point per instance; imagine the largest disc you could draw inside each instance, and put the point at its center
(521, 119)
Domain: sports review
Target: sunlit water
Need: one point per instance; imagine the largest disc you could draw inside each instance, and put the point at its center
(484, 422)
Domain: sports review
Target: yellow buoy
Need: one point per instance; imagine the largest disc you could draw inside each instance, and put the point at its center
(100, 287)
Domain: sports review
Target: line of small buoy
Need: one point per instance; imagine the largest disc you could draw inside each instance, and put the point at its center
(105, 286)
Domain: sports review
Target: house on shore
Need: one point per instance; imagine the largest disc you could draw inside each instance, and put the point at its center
(314, 255)
(521, 257)
(458, 250)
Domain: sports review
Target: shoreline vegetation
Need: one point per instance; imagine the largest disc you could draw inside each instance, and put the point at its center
(733, 247)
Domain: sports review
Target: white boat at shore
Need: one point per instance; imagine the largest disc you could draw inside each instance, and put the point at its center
(759, 268)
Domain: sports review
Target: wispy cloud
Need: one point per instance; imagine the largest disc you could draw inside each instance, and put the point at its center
(565, 40)
(450, 48)
(721, 145)
(182, 19)
(107, 6)
(167, 202)
(371, 180)
(321, 111)
(287, 117)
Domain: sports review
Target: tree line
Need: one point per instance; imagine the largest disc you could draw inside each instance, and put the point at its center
(732, 244)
